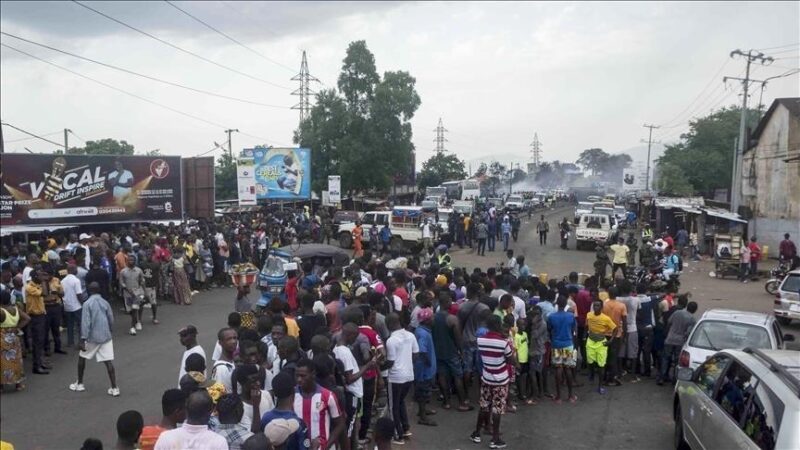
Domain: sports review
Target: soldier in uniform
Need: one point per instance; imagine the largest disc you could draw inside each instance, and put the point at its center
(646, 256)
(601, 261)
(633, 245)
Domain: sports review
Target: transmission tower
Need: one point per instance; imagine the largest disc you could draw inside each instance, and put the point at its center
(536, 150)
(304, 91)
(440, 139)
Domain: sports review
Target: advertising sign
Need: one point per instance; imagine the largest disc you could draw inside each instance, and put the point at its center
(246, 181)
(634, 178)
(334, 189)
(75, 189)
(281, 173)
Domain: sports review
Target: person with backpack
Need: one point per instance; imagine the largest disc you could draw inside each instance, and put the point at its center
(673, 264)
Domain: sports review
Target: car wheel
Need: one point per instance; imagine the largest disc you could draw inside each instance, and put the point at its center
(784, 320)
(680, 441)
(345, 240)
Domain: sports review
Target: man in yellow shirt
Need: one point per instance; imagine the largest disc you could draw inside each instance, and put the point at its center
(620, 260)
(468, 229)
(600, 330)
(34, 306)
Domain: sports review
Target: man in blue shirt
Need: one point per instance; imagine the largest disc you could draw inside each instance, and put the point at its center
(282, 421)
(424, 365)
(505, 227)
(562, 329)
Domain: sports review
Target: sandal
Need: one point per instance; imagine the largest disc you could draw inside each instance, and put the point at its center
(446, 406)
(20, 387)
(427, 422)
(156, 322)
(573, 398)
(465, 408)
(530, 401)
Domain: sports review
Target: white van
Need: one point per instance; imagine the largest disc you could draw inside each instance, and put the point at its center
(592, 228)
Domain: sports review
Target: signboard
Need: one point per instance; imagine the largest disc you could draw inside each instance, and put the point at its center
(334, 188)
(75, 189)
(281, 173)
(246, 181)
(634, 178)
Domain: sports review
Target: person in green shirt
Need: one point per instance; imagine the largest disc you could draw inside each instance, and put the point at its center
(523, 371)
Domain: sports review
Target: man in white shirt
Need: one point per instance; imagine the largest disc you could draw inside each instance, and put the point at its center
(355, 385)
(72, 303)
(223, 368)
(512, 263)
(401, 349)
(121, 180)
(84, 244)
(427, 236)
(194, 433)
(188, 337)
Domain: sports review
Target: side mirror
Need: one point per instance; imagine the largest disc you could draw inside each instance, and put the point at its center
(788, 338)
(685, 374)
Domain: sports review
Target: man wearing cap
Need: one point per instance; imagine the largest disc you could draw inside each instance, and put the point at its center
(424, 366)
(281, 425)
(188, 338)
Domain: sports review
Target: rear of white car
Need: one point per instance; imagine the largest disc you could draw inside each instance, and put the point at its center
(787, 301)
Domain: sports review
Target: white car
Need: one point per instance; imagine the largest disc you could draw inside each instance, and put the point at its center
(787, 302)
(728, 329)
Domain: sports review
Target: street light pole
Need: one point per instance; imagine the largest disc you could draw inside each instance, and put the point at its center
(230, 148)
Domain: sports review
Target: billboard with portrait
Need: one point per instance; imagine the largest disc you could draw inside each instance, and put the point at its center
(281, 173)
(43, 189)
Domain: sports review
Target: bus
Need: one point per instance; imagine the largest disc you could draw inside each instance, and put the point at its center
(463, 189)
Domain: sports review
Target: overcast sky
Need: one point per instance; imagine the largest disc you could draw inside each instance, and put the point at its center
(580, 75)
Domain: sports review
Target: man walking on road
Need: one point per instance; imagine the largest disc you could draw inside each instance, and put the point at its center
(542, 228)
(97, 322)
(131, 283)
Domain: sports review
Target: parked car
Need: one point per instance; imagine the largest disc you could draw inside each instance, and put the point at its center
(743, 399)
(342, 216)
(592, 228)
(723, 329)
(787, 301)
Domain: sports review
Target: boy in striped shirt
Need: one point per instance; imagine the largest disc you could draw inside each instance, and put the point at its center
(317, 407)
(497, 357)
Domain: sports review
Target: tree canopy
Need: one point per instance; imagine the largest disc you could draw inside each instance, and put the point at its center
(362, 132)
(702, 161)
(608, 167)
(439, 168)
(103, 147)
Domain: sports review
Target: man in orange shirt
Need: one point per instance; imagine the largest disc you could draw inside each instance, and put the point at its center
(173, 408)
(617, 311)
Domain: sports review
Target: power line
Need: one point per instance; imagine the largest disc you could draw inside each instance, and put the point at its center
(715, 77)
(32, 137)
(169, 108)
(79, 138)
(32, 134)
(148, 77)
(181, 49)
(255, 52)
(796, 44)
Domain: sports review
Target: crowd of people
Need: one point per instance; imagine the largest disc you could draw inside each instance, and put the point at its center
(334, 366)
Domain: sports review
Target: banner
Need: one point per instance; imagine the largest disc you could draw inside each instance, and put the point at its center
(281, 173)
(334, 189)
(634, 178)
(75, 189)
(246, 181)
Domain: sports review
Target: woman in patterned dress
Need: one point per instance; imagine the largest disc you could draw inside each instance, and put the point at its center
(181, 292)
(12, 319)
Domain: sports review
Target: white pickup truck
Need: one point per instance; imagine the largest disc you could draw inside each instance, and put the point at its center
(404, 223)
(592, 228)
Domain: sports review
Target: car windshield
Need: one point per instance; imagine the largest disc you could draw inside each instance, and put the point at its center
(585, 205)
(514, 199)
(791, 284)
(720, 335)
(273, 266)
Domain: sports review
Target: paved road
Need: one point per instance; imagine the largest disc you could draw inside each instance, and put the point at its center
(49, 416)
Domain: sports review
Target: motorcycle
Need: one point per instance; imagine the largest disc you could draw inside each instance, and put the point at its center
(653, 277)
(776, 276)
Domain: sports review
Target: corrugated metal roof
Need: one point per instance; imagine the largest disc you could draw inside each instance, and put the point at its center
(679, 202)
(723, 214)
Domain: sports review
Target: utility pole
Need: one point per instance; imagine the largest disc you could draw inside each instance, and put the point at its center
(440, 139)
(230, 148)
(649, 145)
(752, 56)
(67, 131)
(304, 91)
(536, 150)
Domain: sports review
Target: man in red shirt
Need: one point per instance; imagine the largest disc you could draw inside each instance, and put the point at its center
(787, 252)
(583, 302)
(755, 255)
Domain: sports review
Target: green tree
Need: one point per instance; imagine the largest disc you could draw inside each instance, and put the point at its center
(482, 169)
(362, 132)
(592, 159)
(613, 165)
(439, 168)
(704, 155)
(225, 178)
(103, 147)
(672, 179)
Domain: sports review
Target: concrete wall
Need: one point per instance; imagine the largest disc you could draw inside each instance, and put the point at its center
(770, 186)
(770, 232)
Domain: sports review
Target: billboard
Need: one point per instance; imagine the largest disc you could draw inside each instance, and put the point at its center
(281, 173)
(334, 189)
(75, 189)
(634, 178)
(246, 181)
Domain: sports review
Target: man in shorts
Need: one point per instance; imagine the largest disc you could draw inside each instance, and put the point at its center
(97, 321)
(496, 356)
(562, 329)
(131, 282)
(600, 329)
(152, 272)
